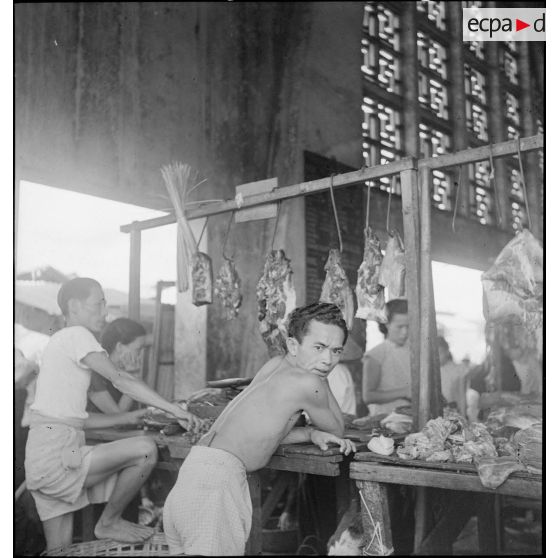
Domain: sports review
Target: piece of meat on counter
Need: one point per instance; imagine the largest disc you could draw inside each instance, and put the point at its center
(202, 279)
(493, 471)
(336, 289)
(227, 289)
(369, 291)
(392, 269)
(276, 299)
(528, 443)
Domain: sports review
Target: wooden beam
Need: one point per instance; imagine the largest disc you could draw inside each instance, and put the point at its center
(205, 209)
(254, 543)
(476, 154)
(410, 209)
(530, 162)
(459, 134)
(306, 464)
(409, 79)
(497, 130)
(393, 474)
(134, 277)
(425, 299)
(376, 521)
(282, 483)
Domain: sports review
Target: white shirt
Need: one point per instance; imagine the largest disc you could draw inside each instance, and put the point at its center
(343, 388)
(63, 379)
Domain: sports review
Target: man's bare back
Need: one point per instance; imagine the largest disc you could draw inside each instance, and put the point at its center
(261, 417)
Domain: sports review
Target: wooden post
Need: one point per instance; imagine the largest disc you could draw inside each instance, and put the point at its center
(530, 160)
(254, 544)
(134, 277)
(411, 231)
(157, 327)
(425, 298)
(457, 93)
(375, 518)
(497, 131)
(409, 79)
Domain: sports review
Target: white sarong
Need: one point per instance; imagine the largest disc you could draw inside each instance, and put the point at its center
(209, 511)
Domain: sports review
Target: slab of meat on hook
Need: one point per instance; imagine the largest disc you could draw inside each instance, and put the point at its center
(336, 289)
(227, 289)
(392, 269)
(369, 291)
(276, 299)
(202, 279)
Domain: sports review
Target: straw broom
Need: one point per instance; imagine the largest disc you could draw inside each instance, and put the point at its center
(178, 179)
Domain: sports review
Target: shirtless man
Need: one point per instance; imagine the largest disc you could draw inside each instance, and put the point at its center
(209, 511)
(61, 472)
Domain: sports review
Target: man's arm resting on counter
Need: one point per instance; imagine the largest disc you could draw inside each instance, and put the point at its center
(298, 435)
(315, 401)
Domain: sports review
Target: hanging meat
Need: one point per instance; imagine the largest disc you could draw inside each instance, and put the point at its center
(369, 291)
(392, 268)
(336, 289)
(513, 286)
(202, 279)
(276, 299)
(227, 289)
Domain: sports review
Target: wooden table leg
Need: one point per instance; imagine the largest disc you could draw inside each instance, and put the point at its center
(375, 518)
(458, 509)
(486, 524)
(254, 544)
(343, 491)
(87, 523)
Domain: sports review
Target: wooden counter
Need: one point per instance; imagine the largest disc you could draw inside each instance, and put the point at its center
(373, 473)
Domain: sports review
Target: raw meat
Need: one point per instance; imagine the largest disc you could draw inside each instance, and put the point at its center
(528, 443)
(493, 471)
(381, 445)
(392, 269)
(227, 289)
(276, 299)
(202, 279)
(514, 284)
(336, 289)
(369, 291)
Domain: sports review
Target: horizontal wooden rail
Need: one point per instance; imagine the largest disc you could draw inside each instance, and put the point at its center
(472, 155)
(286, 192)
(476, 154)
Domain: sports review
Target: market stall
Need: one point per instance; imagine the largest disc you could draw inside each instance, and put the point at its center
(369, 470)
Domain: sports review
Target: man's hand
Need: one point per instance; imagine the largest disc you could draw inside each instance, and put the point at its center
(188, 421)
(321, 439)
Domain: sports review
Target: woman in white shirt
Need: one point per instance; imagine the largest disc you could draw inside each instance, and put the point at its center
(386, 374)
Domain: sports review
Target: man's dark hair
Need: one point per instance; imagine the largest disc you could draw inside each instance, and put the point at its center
(396, 306)
(121, 330)
(79, 288)
(323, 312)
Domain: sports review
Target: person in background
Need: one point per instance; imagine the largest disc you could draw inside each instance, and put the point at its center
(343, 388)
(61, 471)
(124, 341)
(453, 377)
(386, 374)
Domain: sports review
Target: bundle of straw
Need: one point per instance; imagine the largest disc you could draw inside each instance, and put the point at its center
(179, 180)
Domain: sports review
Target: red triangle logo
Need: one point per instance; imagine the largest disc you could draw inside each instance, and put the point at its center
(520, 25)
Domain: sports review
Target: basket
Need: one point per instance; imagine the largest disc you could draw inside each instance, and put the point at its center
(155, 546)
